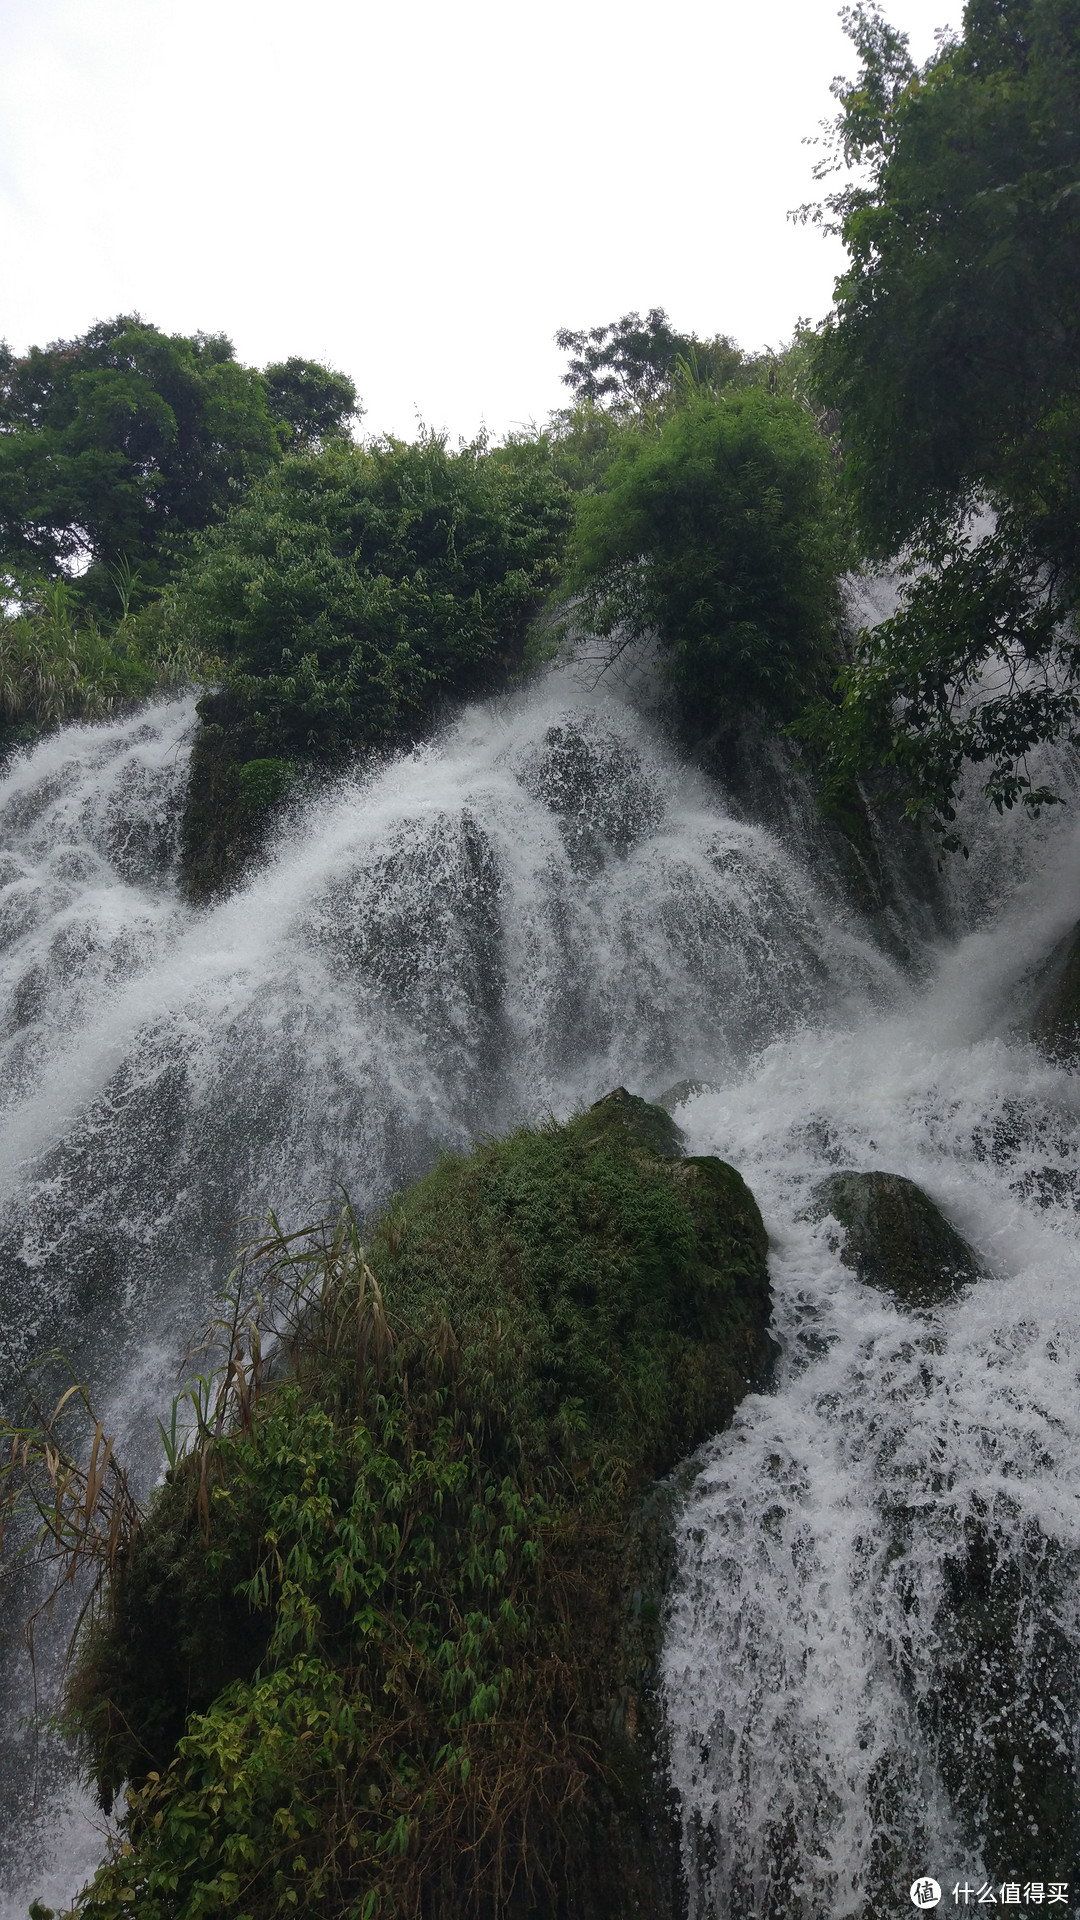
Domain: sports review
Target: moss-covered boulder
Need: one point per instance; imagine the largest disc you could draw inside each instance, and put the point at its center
(896, 1238)
(1055, 1024)
(234, 799)
(384, 1644)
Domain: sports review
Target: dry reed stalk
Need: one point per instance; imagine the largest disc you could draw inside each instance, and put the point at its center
(72, 1511)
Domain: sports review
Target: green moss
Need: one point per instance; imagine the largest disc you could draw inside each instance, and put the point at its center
(421, 1552)
(232, 798)
(263, 783)
(621, 1272)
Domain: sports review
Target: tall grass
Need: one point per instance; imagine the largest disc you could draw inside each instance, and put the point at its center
(59, 663)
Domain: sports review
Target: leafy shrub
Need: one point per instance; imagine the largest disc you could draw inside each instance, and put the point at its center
(351, 592)
(413, 1545)
(352, 588)
(719, 535)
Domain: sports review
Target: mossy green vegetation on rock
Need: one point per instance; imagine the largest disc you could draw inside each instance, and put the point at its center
(234, 795)
(347, 595)
(377, 1651)
(896, 1238)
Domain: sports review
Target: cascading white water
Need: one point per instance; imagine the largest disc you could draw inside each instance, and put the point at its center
(872, 1662)
(539, 906)
(488, 930)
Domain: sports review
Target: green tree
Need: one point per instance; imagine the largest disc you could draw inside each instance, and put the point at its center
(953, 358)
(117, 447)
(953, 353)
(312, 403)
(718, 534)
(352, 587)
(631, 362)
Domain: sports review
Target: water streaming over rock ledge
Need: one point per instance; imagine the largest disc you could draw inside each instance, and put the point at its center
(539, 906)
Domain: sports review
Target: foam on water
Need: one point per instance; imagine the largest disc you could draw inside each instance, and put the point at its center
(514, 919)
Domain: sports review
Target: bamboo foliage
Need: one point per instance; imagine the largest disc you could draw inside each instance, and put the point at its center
(60, 663)
(41, 674)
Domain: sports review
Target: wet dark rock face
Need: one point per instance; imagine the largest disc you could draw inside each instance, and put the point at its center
(1055, 1024)
(1002, 1709)
(596, 786)
(895, 1237)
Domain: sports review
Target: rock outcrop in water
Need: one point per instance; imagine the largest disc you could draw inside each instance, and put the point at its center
(595, 785)
(232, 800)
(1055, 1024)
(896, 1238)
(385, 1645)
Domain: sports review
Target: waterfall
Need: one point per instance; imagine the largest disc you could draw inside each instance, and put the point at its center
(543, 903)
(870, 1669)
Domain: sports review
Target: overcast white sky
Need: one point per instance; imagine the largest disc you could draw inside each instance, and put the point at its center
(419, 192)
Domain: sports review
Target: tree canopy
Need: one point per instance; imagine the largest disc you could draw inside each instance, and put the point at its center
(953, 353)
(351, 587)
(631, 361)
(117, 446)
(953, 358)
(718, 534)
(311, 404)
